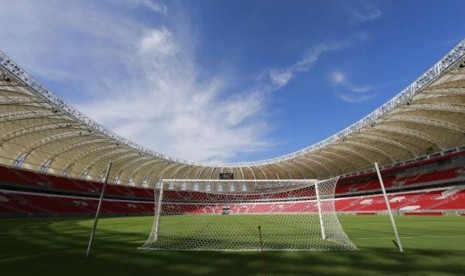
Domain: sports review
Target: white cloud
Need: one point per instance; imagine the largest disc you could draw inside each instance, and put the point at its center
(168, 108)
(349, 91)
(360, 88)
(140, 80)
(280, 77)
(365, 12)
(338, 77)
(158, 42)
(66, 42)
(151, 5)
(352, 98)
(370, 13)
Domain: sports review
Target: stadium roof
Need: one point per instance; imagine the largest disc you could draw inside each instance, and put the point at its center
(40, 131)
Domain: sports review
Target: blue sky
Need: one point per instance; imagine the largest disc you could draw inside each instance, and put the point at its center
(225, 81)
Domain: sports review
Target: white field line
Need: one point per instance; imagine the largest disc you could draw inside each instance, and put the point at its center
(411, 237)
(389, 230)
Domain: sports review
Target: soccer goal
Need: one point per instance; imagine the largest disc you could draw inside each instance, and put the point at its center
(225, 215)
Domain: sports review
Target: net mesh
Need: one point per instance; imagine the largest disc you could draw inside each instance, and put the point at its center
(219, 215)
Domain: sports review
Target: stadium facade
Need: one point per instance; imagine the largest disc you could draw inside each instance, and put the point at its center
(41, 132)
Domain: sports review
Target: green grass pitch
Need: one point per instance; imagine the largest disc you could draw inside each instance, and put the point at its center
(433, 246)
(212, 232)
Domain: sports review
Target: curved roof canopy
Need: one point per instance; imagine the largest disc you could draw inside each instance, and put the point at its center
(39, 131)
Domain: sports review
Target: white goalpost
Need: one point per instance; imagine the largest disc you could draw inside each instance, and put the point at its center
(223, 215)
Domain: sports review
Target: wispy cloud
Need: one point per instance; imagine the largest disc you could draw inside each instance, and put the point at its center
(138, 79)
(354, 98)
(141, 79)
(168, 107)
(364, 11)
(281, 77)
(157, 42)
(156, 7)
(349, 91)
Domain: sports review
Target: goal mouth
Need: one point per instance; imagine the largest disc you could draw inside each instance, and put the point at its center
(223, 215)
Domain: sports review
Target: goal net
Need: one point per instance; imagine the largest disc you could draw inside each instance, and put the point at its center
(225, 215)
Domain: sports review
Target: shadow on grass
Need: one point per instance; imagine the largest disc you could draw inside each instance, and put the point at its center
(57, 247)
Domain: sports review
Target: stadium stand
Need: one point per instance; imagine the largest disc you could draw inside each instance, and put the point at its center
(423, 187)
(452, 198)
(33, 204)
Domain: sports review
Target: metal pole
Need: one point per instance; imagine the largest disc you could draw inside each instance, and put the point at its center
(91, 239)
(399, 244)
(261, 249)
(157, 215)
(320, 215)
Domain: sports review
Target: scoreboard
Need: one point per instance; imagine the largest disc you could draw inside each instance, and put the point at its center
(227, 176)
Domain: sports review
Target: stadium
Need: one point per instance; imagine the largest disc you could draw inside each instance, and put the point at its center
(318, 211)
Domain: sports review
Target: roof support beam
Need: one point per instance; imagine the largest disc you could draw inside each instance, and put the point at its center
(442, 92)
(326, 160)
(298, 169)
(372, 149)
(20, 101)
(264, 174)
(345, 148)
(135, 161)
(200, 173)
(59, 137)
(317, 163)
(338, 157)
(26, 115)
(242, 172)
(125, 153)
(253, 174)
(94, 140)
(307, 168)
(275, 167)
(78, 158)
(376, 138)
(36, 129)
(162, 173)
(188, 173)
(271, 170)
(412, 133)
(429, 122)
(455, 108)
(175, 174)
(143, 166)
(212, 170)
